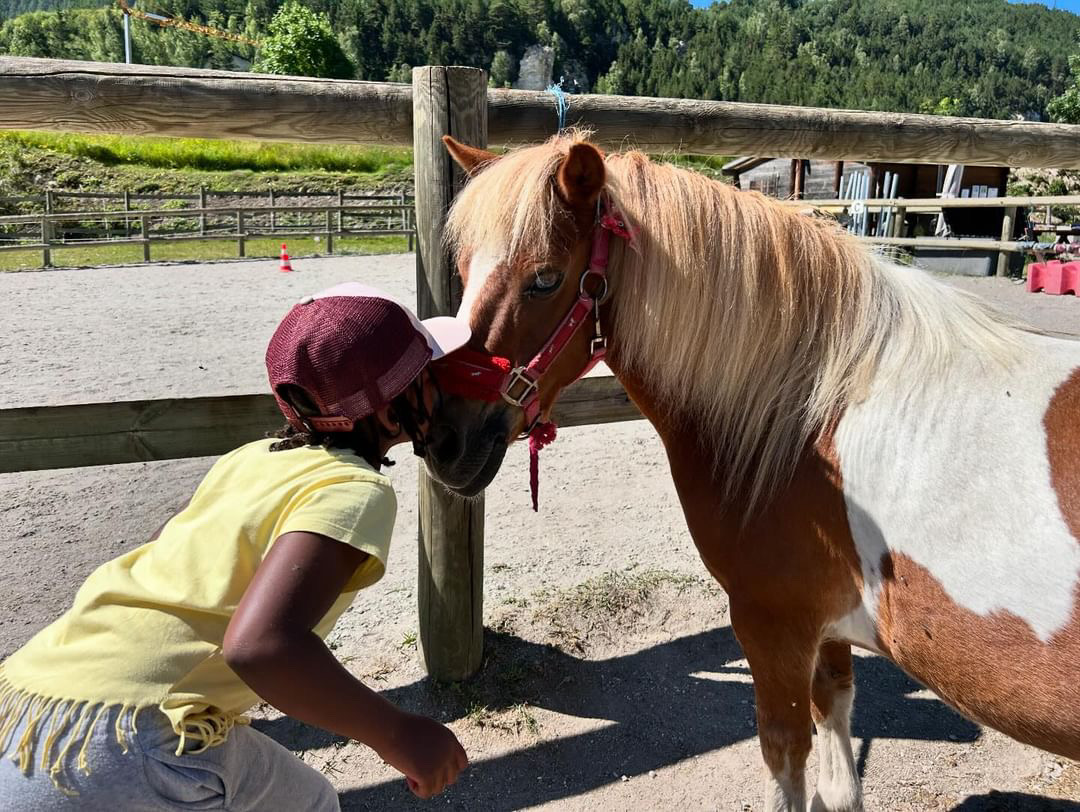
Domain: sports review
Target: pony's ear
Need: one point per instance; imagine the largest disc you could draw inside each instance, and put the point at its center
(470, 159)
(581, 176)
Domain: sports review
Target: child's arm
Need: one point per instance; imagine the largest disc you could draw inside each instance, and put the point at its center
(271, 646)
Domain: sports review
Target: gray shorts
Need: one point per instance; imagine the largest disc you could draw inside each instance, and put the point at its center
(250, 771)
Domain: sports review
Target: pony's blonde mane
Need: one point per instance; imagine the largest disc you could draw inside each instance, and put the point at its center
(749, 319)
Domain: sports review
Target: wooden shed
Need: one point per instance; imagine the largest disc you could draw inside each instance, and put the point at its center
(794, 179)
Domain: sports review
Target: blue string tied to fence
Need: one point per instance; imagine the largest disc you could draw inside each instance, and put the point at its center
(562, 103)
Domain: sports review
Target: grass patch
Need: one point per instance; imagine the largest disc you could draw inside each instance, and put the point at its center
(615, 592)
(199, 250)
(516, 719)
(605, 606)
(216, 155)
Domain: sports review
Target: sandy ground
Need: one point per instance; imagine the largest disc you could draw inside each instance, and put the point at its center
(612, 679)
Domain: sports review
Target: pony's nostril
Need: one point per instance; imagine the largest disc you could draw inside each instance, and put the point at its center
(448, 445)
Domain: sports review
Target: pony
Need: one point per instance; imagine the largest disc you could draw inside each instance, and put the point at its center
(864, 455)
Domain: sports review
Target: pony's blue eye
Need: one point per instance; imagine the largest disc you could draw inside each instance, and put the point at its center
(545, 283)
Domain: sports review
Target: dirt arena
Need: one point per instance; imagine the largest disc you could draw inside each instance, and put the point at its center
(612, 678)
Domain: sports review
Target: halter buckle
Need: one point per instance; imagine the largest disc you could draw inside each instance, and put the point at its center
(520, 375)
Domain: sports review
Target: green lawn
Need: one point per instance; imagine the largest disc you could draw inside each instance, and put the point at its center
(216, 155)
(198, 250)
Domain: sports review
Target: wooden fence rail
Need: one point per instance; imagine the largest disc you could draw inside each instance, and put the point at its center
(899, 207)
(48, 199)
(44, 94)
(937, 203)
(69, 216)
(44, 437)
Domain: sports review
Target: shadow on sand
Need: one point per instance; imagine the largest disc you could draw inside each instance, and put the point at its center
(666, 703)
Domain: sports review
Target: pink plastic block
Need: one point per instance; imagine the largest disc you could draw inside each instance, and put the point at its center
(1054, 277)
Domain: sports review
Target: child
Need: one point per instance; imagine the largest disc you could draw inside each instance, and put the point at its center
(133, 699)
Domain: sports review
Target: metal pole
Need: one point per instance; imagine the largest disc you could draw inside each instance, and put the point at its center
(127, 37)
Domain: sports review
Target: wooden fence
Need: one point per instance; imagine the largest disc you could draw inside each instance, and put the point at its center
(138, 99)
(239, 223)
(899, 208)
(50, 200)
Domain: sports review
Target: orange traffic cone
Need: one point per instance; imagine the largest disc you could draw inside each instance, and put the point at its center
(286, 266)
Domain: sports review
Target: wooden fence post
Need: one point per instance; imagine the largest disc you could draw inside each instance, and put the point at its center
(202, 217)
(127, 220)
(1006, 236)
(145, 238)
(329, 231)
(897, 224)
(239, 233)
(273, 214)
(446, 101)
(46, 239)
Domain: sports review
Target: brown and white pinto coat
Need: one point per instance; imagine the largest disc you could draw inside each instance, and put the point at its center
(923, 501)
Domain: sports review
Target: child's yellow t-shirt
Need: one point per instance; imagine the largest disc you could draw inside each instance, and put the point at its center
(146, 629)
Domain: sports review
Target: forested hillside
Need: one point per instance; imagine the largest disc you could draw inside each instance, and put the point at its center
(977, 57)
(13, 8)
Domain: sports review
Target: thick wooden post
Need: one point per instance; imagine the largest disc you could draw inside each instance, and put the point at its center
(202, 205)
(239, 233)
(446, 101)
(329, 231)
(1006, 236)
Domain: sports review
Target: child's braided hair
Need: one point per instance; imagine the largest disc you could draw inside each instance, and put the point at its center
(366, 435)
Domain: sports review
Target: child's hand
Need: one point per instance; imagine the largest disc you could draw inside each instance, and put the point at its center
(427, 753)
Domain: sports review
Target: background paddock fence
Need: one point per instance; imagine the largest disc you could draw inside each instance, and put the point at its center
(145, 100)
(81, 229)
(51, 200)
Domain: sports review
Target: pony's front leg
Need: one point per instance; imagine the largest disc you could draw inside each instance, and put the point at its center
(838, 786)
(782, 664)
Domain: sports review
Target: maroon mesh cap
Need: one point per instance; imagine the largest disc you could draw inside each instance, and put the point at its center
(353, 349)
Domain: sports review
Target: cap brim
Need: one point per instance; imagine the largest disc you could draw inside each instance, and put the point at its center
(445, 334)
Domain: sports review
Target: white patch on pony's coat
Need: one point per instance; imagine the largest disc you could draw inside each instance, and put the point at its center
(952, 472)
(856, 627)
(481, 266)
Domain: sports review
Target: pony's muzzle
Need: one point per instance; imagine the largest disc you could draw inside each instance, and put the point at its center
(467, 443)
